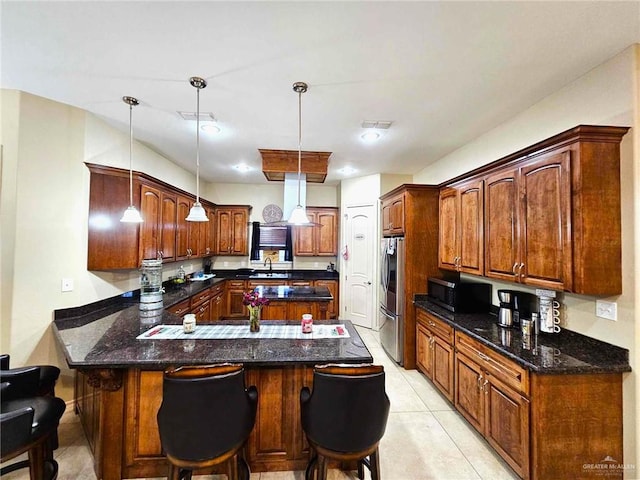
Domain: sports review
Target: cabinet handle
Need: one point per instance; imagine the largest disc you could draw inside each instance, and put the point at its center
(160, 255)
(483, 356)
(513, 269)
(480, 382)
(431, 324)
(484, 387)
(432, 340)
(208, 250)
(521, 267)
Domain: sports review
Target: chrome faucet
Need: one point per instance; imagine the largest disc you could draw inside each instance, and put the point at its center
(268, 259)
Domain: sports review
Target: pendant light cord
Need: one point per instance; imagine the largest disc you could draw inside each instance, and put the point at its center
(198, 145)
(130, 154)
(299, 141)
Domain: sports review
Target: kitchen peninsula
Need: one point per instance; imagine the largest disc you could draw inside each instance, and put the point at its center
(119, 386)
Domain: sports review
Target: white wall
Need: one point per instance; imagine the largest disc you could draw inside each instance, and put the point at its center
(607, 95)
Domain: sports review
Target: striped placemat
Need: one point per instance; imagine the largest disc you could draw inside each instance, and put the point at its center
(221, 332)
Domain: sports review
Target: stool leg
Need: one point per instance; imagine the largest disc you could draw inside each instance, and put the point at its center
(322, 467)
(360, 470)
(174, 472)
(232, 467)
(374, 462)
(36, 462)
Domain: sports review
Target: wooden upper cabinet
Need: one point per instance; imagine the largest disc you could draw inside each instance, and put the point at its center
(551, 214)
(183, 250)
(393, 215)
(527, 223)
(158, 231)
(232, 230)
(461, 245)
(320, 239)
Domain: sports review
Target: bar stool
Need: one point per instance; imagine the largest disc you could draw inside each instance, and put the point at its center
(29, 424)
(205, 419)
(345, 417)
(47, 375)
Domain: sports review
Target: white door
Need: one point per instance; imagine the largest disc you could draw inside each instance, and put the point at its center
(358, 300)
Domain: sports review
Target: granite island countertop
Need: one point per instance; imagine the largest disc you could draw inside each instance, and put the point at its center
(294, 293)
(566, 352)
(107, 339)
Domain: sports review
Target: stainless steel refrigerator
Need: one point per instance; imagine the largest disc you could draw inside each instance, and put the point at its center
(391, 314)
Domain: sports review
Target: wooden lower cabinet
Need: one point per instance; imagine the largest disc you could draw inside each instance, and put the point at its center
(120, 421)
(333, 309)
(234, 293)
(543, 426)
(288, 310)
(434, 351)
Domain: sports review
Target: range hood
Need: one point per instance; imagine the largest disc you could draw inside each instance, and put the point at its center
(277, 163)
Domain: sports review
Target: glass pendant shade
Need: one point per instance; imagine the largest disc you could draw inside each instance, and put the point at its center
(131, 214)
(299, 215)
(197, 214)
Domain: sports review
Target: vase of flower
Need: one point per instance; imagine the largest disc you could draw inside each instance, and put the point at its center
(254, 302)
(254, 319)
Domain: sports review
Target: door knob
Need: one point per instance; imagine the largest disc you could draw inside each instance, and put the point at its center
(368, 283)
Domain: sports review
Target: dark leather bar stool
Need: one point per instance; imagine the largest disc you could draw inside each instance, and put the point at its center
(48, 375)
(29, 423)
(205, 419)
(345, 417)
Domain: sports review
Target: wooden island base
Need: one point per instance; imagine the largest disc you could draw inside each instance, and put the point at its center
(118, 410)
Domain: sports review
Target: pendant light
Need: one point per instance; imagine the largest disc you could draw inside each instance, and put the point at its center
(299, 215)
(197, 213)
(131, 214)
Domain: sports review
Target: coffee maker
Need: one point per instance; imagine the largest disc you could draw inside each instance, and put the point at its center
(513, 305)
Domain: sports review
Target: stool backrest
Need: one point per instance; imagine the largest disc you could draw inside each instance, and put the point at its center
(205, 411)
(348, 408)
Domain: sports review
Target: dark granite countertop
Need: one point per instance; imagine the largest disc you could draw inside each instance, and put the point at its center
(263, 274)
(566, 352)
(109, 341)
(295, 294)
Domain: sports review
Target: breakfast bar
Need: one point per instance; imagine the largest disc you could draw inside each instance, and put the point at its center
(120, 366)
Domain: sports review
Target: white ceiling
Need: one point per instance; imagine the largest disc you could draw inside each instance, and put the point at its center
(443, 72)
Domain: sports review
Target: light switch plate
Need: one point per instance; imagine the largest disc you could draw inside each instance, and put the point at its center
(608, 310)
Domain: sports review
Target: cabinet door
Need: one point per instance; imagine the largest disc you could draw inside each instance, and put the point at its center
(442, 366)
(507, 425)
(216, 307)
(397, 215)
(386, 218)
(295, 310)
(240, 232)
(223, 232)
(203, 312)
(545, 243)
(182, 228)
(168, 227)
(274, 311)
(470, 229)
(333, 309)
(327, 233)
(213, 231)
(501, 233)
(234, 294)
(469, 399)
(448, 241)
(151, 211)
(303, 240)
(423, 350)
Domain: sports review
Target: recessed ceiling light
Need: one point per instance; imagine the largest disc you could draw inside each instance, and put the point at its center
(242, 167)
(210, 128)
(347, 170)
(370, 136)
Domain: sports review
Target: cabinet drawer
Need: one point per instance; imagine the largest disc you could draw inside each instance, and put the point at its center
(493, 363)
(180, 308)
(436, 326)
(216, 289)
(235, 283)
(200, 298)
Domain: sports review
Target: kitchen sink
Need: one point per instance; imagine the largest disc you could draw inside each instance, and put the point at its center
(269, 275)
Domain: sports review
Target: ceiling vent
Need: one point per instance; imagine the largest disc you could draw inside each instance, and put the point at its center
(275, 163)
(379, 124)
(204, 116)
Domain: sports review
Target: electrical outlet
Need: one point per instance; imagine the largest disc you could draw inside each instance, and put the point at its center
(608, 310)
(67, 284)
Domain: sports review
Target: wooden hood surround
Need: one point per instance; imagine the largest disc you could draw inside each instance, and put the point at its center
(275, 163)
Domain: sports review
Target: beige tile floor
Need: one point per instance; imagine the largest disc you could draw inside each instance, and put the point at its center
(425, 437)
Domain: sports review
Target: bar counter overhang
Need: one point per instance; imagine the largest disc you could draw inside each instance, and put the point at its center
(119, 385)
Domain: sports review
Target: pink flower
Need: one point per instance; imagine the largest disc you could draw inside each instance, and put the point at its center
(253, 299)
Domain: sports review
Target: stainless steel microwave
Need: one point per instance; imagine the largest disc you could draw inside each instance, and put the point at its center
(459, 297)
